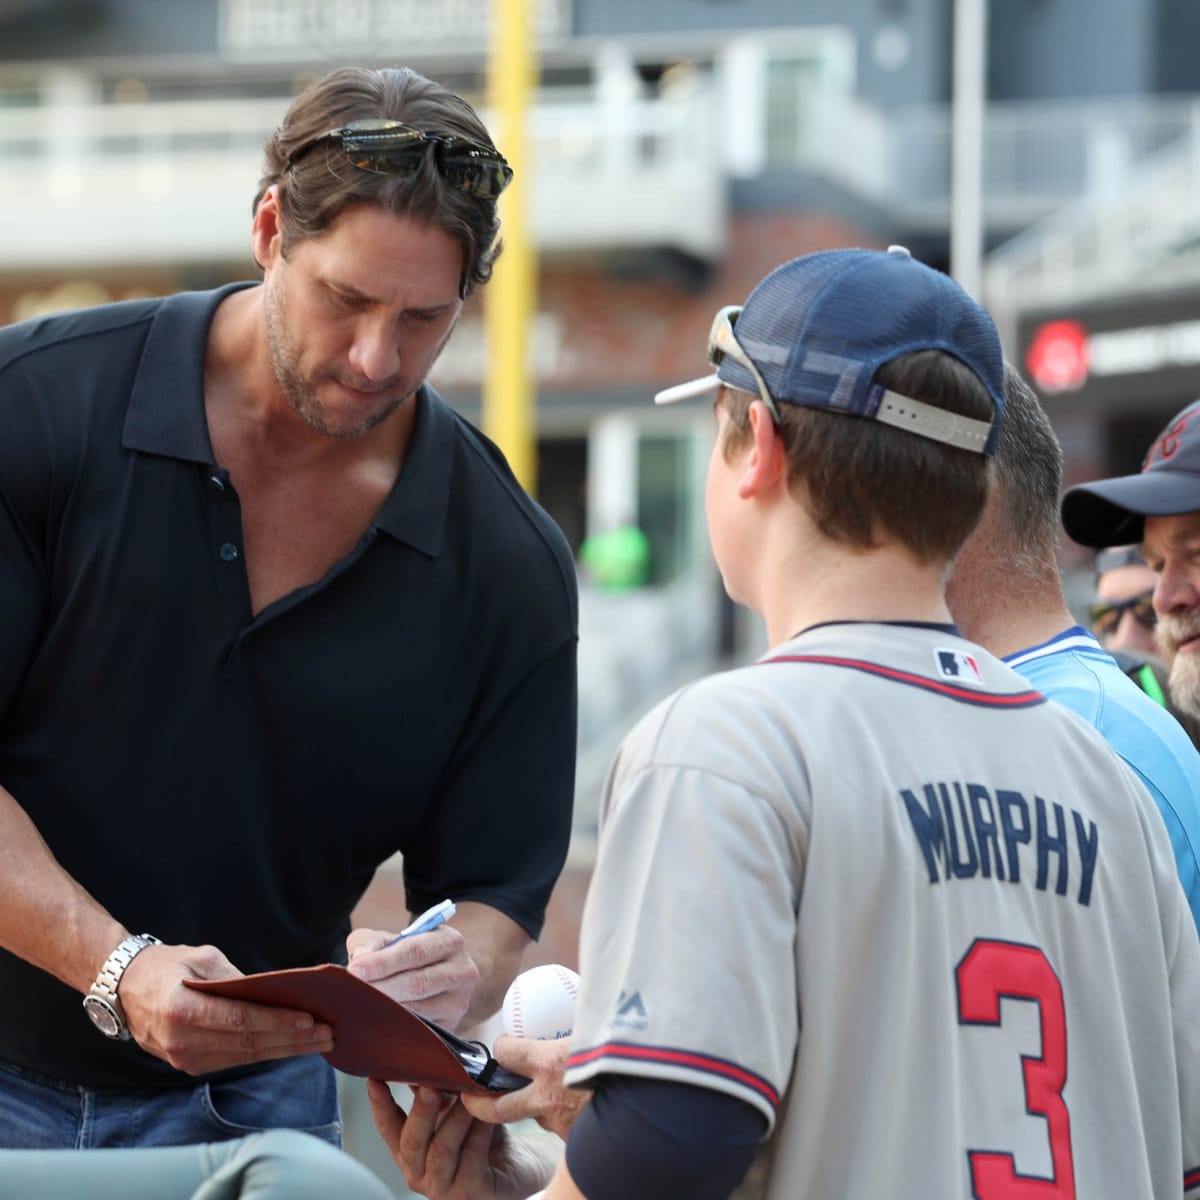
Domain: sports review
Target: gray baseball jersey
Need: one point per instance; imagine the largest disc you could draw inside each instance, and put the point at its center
(921, 918)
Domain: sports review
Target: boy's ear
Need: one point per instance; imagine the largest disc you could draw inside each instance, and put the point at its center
(766, 465)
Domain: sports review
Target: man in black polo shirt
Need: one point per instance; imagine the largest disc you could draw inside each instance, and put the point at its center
(272, 613)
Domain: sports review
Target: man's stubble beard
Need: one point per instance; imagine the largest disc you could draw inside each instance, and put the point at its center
(300, 394)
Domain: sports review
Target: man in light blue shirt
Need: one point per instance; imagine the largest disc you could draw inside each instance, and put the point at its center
(1006, 593)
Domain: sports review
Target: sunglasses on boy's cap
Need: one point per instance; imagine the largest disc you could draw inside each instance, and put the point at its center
(394, 148)
(815, 331)
(721, 345)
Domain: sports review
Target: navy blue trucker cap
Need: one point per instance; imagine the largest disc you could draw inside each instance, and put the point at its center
(816, 329)
(1112, 512)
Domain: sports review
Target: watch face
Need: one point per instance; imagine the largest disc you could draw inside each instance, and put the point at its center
(103, 1016)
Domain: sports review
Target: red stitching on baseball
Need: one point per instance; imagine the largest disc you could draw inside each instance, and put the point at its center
(518, 1023)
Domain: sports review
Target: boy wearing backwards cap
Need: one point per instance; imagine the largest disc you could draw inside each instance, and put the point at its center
(858, 907)
(1160, 508)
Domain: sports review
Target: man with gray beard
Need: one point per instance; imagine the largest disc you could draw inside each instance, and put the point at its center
(1160, 508)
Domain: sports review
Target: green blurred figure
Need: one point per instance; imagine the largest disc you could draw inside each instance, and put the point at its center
(618, 559)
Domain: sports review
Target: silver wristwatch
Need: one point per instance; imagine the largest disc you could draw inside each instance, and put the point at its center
(101, 1003)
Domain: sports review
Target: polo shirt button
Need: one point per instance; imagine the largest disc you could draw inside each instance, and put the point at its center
(216, 481)
(228, 552)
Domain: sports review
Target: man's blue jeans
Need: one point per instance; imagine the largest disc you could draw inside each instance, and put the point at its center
(291, 1093)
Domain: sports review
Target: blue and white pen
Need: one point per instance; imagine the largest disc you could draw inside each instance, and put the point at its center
(431, 918)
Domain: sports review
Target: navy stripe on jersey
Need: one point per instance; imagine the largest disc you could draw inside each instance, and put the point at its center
(1191, 1179)
(1025, 699)
(704, 1063)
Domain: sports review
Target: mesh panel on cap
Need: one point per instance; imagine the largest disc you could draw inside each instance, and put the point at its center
(819, 327)
(785, 329)
(770, 324)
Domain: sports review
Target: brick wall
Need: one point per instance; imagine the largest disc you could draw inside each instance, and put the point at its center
(630, 327)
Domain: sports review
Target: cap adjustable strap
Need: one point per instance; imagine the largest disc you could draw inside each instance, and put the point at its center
(935, 423)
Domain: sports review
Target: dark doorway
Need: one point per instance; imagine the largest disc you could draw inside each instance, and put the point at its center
(1129, 435)
(561, 486)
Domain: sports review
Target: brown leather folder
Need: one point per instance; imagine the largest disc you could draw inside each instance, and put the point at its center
(373, 1034)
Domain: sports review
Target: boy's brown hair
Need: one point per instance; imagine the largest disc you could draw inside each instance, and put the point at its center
(865, 483)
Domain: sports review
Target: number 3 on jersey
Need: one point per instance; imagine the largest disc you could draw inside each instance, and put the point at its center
(989, 972)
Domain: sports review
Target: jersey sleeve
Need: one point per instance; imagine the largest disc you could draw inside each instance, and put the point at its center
(645, 1137)
(688, 955)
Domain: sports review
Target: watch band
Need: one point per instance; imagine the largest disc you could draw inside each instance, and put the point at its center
(102, 1003)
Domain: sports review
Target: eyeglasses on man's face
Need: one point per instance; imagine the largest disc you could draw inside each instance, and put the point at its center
(1106, 615)
(394, 148)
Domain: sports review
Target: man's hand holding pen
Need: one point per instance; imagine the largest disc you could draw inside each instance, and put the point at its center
(426, 966)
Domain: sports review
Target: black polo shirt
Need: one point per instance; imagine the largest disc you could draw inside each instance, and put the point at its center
(214, 777)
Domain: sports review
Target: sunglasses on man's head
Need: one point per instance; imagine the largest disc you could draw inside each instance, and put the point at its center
(1106, 617)
(722, 344)
(394, 148)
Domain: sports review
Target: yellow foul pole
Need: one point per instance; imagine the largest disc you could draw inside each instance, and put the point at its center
(510, 296)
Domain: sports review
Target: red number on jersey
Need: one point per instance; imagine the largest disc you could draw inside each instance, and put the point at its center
(992, 970)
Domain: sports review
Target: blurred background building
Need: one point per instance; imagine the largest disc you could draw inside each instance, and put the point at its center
(679, 149)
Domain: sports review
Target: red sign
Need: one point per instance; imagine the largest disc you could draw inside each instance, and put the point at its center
(1058, 358)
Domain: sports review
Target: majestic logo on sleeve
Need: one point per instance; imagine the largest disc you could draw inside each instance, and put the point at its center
(962, 668)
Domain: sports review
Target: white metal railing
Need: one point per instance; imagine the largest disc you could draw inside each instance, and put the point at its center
(1146, 228)
(853, 145)
(46, 136)
(84, 183)
(569, 129)
(93, 183)
(1037, 157)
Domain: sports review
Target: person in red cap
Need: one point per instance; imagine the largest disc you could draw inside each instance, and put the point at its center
(1158, 508)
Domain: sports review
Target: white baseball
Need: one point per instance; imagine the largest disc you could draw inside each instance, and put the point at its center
(540, 1002)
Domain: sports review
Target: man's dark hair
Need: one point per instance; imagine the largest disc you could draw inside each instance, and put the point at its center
(1029, 470)
(321, 183)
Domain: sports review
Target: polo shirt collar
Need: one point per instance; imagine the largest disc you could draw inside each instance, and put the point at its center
(166, 407)
(415, 512)
(166, 416)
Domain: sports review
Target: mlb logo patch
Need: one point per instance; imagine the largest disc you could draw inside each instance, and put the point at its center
(962, 668)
